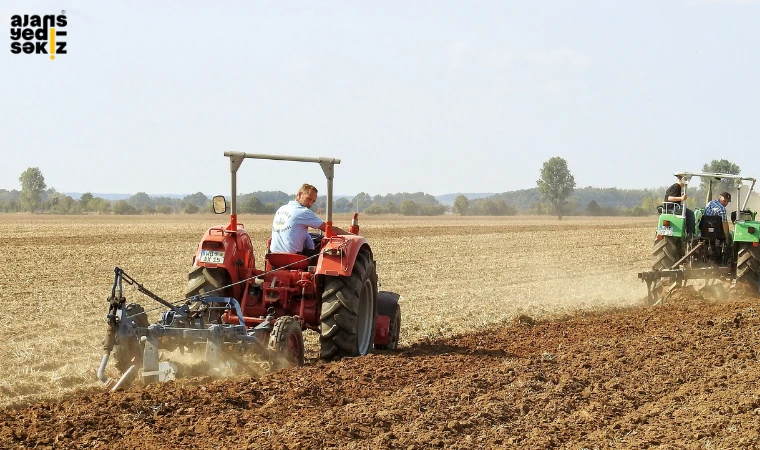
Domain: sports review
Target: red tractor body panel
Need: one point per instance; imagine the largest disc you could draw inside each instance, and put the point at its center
(339, 254)
(382, 329)
(289, 292)
(238, 258)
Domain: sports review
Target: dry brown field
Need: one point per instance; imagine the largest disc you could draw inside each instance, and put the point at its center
(454, 274)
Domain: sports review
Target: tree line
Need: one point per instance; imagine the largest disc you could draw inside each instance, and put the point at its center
(554, 193)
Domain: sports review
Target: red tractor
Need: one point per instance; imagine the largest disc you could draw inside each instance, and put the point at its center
(231, 305)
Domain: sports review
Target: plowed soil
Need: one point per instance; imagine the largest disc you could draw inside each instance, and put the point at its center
(683, 375)
(516, 334)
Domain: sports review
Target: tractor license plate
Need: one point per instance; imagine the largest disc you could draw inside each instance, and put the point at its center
(665, 231)
(210, 256)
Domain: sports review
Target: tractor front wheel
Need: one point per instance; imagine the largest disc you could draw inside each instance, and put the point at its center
(286, 343)
(349, 307)
(748, 265)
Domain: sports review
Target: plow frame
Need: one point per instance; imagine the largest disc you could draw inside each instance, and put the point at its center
(683, 275)
(179, 327)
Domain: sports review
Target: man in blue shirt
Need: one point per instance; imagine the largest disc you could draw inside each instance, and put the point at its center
(717, 207)
(290, 227)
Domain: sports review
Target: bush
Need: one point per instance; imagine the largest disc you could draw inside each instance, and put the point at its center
(122, 208)
(191, 208)
(376, 209)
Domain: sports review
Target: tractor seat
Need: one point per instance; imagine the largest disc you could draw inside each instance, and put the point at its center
(669, 208)
(711, 228)
(278, 260)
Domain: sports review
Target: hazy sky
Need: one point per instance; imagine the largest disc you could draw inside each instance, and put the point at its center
(435, 96)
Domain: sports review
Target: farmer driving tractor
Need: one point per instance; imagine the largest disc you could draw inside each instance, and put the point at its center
(290, 227)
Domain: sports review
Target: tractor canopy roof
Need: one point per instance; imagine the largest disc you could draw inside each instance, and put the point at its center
(712, 176)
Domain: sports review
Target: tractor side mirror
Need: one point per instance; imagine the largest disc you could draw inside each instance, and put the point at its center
(220, 204)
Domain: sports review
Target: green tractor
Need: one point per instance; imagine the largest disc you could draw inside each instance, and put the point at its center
(709, 254)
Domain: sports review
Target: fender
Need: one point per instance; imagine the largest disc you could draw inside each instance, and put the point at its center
(339, 254)
(747, 231)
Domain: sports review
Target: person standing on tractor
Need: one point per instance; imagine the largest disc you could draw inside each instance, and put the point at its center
(717, 207)
(290, 227)
(675, 194)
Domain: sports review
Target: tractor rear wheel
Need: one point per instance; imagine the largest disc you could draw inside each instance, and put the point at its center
(130, 352)
(286, 343)
(748, 265)
(349, 307)
(205, 280)
(666, 252)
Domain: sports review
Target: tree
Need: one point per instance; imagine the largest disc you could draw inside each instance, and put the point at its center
(343, 205)
(141, 201)
(593, 208)
(32, 185)
(191, 208)
(363, 200)
(199, 198)
(431, 210)
(122, 208)
(63, 204)
(650, 204)
(409, 208)
(461, 205)
(100, 205)
(720, 166)
(375, 209)
(84, 201)
(556, 183)
(252, 205)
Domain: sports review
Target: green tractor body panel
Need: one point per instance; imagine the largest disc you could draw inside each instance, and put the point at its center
(747, 231)
(671, 225)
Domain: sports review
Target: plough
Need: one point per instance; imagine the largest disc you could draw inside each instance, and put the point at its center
(180, 327)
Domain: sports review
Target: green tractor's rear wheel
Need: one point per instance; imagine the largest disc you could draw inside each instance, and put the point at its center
(286, 343)
(666, 252)
(349, 307)
(748, 265)
(130, 352)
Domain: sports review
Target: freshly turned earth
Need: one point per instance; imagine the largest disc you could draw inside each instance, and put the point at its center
(683, 375)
